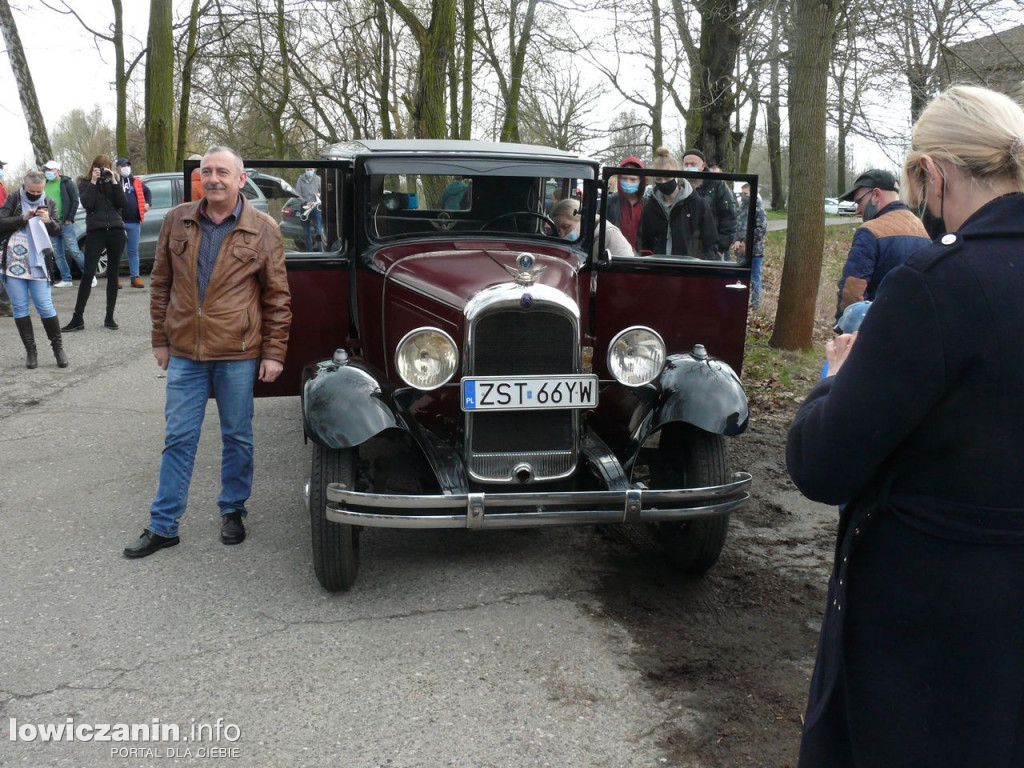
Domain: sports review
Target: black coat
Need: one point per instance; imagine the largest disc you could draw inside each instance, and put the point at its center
(921, 437)
(693, 227)
(103, 203)
(722, 203)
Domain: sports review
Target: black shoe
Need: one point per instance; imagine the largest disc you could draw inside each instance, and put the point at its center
(232, 530)
(76, 324)
(148, 543)
(110, 324)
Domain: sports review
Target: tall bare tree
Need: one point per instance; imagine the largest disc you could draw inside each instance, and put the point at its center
(160, 87)
(516, 22)
(813, 26)
(26, 89)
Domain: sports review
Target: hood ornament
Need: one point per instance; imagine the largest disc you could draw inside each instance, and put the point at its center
(526, 270)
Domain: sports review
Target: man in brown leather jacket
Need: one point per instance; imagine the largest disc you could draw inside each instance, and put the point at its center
(221, 311)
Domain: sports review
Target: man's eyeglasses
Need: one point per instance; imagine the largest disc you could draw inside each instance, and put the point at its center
(858, 200)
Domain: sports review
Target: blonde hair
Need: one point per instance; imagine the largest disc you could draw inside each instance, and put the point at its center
(663, 158)
(569, 207)
(978, 131)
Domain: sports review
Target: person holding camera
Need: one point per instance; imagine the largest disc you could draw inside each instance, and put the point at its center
(103, 199)
(28, 218)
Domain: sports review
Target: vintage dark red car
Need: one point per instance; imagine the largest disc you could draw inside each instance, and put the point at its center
(462, 366)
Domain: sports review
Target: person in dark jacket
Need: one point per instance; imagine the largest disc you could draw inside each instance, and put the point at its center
(137, 201)
(917, 431)
(103, 199)
(626, 206)
(739, 246)
(675, 221)
(891, 233)
(719, 198)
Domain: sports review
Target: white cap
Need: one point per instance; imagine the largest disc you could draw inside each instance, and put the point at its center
(52, 165)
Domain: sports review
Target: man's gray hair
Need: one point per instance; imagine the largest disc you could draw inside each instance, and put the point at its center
(239, 165)
(35, 177)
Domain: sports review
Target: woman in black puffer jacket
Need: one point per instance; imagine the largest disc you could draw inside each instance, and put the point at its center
(103, 199)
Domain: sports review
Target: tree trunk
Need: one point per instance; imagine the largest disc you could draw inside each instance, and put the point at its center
(160, 88)
(813, 25)
(38, 136)
(772, 119)
(719, 43)
(658, 107)
(120, 82)
(510, 128)
(186, 83)
(384, 105)
(469, 38)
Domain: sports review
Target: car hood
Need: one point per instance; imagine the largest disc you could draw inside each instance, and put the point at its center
(454, 277)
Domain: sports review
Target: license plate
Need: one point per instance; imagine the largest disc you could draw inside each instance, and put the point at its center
(506, 393)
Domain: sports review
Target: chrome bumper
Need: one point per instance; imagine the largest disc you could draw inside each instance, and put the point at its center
(528, 510)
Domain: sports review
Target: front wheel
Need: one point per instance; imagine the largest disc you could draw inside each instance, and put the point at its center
(689, 457)
(335, 545)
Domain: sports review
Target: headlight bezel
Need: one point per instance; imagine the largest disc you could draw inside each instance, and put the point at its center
(618, 374)
(400, 368)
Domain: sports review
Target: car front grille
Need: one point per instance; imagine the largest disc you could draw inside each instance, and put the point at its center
(517, 342)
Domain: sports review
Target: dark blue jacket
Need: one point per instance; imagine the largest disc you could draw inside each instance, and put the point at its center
(880, 244)
(920, 661)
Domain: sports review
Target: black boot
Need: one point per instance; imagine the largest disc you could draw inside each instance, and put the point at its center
(28, 338)
(109, 322)
(76, 324)
(52, 326)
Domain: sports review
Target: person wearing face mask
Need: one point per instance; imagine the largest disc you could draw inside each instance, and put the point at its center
(890, 234)
(718, 196)
(28, 219)
(308, 189)
(675, 221)
(917, 431)
(625, 207)
(566, 215)
(137, 201)
(64, 192)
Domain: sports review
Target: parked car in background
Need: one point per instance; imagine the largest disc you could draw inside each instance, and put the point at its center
(166, 190)
(837, 207)
(470, 368)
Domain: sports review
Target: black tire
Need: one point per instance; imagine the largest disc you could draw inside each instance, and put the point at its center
(692, 458)
(335, 545)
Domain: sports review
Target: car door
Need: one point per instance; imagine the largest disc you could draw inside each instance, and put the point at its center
(320, 281)
(164, 194)
(687, 300)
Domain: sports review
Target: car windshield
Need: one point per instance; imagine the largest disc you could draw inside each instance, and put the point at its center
(484, 199)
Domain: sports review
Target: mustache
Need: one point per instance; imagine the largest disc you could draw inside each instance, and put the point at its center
(214, 185)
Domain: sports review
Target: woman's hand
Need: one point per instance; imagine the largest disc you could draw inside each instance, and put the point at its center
(44, 214)
(95, 176)
(837, 350)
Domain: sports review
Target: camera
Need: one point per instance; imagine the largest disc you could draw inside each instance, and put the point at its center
(105, 173)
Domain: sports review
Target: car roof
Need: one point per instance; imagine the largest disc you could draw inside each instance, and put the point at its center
(378, 147)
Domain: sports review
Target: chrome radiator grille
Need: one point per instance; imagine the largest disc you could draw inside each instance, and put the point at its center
(517, 342)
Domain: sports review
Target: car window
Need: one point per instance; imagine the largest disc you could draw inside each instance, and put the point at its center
(417, 204)
(251, 191)
(161, 193)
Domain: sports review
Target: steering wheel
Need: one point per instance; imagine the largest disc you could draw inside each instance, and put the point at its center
(542, 216)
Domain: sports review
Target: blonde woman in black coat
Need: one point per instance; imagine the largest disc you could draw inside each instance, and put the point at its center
(919, 433)
(103, 199)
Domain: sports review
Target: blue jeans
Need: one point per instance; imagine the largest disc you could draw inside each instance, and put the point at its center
(63, 245)
(755, 281)
(316, 220)
(19, 290)
(189, 384)
(133, 229)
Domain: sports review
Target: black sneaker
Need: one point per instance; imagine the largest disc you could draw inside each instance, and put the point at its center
(232, 530)
(148, 543)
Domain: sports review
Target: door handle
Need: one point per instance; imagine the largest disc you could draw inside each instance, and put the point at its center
(737, 286)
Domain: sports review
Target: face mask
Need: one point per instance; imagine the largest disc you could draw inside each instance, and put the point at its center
(691, 167)
(629, 188)
(745, 198)
(126, 170)
(870, 211)
(666, 187)
(572, 236)
(309, 174)
(50, 175)
(2, 173)
(32, 197)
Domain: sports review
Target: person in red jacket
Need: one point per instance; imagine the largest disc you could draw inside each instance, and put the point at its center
(137, 201)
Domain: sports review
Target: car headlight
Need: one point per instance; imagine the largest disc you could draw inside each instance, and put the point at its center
(426, 358)
(636, 356)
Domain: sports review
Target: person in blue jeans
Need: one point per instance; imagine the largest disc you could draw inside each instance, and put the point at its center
(137, 201)
(245, 310)
(64, 192)
(739, 246)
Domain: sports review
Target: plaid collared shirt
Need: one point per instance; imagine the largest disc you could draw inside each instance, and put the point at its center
(209, 246)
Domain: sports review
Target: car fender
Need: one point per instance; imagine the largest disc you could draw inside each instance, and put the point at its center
(703, 391)
(346, 403)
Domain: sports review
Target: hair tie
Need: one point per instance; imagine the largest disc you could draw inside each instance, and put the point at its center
(1016, 146)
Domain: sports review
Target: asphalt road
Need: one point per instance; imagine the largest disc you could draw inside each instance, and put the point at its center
(453, 649)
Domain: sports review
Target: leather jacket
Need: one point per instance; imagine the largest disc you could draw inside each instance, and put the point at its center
(246, 312)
